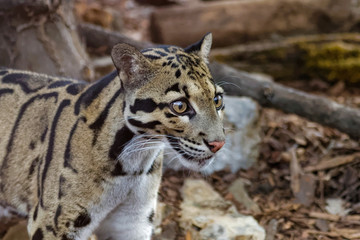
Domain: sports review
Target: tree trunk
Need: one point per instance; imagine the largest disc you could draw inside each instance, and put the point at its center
(41, 36)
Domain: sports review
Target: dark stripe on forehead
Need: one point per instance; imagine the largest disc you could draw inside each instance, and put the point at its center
(174, 88)
(50, 149)
(146, 105)
(150, 125)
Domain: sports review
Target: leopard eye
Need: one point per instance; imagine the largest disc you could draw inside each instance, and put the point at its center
(218, 100)
(179, 107)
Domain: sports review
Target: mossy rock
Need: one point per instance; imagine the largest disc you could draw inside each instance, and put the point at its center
(336, 61)
(329, 57)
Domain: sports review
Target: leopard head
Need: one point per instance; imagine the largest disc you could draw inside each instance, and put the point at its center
(171, 95)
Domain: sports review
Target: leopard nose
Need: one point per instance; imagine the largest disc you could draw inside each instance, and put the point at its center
(216, 145)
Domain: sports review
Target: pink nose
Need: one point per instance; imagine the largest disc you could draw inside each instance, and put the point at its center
(215, 146)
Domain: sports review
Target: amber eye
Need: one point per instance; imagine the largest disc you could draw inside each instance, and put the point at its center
(179, 106)
(218, 100)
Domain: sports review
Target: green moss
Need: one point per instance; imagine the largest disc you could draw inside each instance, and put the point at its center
(332, 61)
(329, 57)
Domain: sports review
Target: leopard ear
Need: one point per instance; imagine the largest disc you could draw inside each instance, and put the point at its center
(202, 47)
(133, 68)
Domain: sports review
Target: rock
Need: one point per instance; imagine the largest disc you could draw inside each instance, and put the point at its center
(237, 189)
(234, 22)
(241, 149)
(325, 57)
(206, 215)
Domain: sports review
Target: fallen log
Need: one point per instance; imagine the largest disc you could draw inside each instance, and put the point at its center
(269, 94)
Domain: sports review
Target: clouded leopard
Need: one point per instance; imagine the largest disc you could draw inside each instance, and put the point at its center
(79, 158)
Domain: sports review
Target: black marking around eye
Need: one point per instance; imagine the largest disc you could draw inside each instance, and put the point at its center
(146, 105)
(150, 125)
(178, 130)
(178, 73)
(174, 88)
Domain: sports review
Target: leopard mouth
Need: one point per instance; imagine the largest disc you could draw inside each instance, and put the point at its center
(200, 159)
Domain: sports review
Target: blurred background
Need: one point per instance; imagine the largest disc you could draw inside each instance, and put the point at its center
(280, 176)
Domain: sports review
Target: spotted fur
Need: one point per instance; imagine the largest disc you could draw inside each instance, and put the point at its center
(79, 158)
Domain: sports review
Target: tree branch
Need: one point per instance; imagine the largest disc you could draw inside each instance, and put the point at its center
(269, 94)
